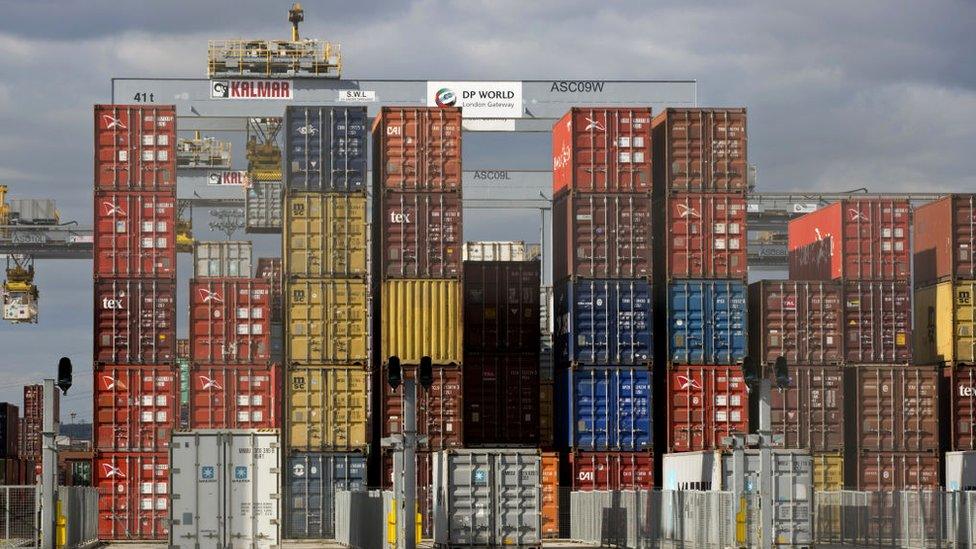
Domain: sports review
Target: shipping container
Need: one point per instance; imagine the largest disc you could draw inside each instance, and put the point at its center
(327, 235)
(135, 407)
(605, 408)
(961, 389)
(547, 414)
(328, 408)
(270, 270)
(868, 240)
(604, 322)
(230, 320)
(422, 317)
(796, 319)
(182, 348)
(897, 408)
(810, 412)
(222, 259)
(33, 211)
(425, 495)
(701, 150)
(960, 471)
(611, 470)
(602, 235)
(133, 495)
(311, 481)
(135, 148)
(135, 235)
(325, 149)
(705, 405)
(945, 323)
(262, 207)
(602, 150)
(944, 239)
(828, 472)
(550, 495)
(501, 306)
(894, 471)
(135, 321)
(420, 235)
(327, 322)
(495, 250)
(501, 399)
(417, 149)
(9, 430)
(235, 397)
(503, 483)
(878, 321)
(706, 236)
(225, 489)
(440, 409)
(34, 419)
(707, 321)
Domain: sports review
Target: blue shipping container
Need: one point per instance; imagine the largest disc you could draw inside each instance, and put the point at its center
(603, 322)
(707, 321)
(606, 408)
(325, 149)
(311, 481)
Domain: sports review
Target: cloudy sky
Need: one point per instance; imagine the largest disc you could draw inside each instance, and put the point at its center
(841, 95)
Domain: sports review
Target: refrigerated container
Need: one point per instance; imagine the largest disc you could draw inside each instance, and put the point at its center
(225, 487)
(235, 396)
(960, 391)
(135, 235)
(135, 321)
(327, 321)
(501, 399)
(945, 323)
(605, 408)
(944, 240)
(701, 150)
(707, 321)
(705, 405)
(135, 148)
(800, 320)
(311, 481)
(420, 234)
(550, 495)
(133, 495)
(135, 407)
(611, 470)
(440, 409)
(895, 471)
(706, 236)
(960, 470)
(417, 149)
(422, 317)
(328, 409)
(501, 306)
(602, 150)
(494, 250)
(327, 235)
(810, 412)
(325, 149)
(262, 207)
(878, 322)
(897, 408)
(222, 259)
(604, 322)
(230, 320)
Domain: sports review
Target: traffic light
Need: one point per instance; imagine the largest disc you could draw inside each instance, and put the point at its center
(782, 373)
(64, 374)
(393, 373)
(425, 374)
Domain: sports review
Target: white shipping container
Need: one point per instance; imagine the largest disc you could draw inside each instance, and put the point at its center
(225, 489)
(960, 472)
(494, 250)
(226, 258)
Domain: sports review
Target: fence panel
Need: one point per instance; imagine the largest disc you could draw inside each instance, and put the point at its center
(18, 516)
(79, 505)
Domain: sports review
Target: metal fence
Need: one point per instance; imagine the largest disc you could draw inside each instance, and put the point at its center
(20, 516)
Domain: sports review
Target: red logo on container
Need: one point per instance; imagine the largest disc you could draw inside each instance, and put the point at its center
(594, 125)
(112, 471)
(112, 122)
(112, 383)
(207, 383)
(857, 215)
(687, 211)
(207, 296)
(686, 382)
(112, 209)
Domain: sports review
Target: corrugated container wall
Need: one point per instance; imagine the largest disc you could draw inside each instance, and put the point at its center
(705, 404)
(224, 259)
(133, 495)
(878, 321)
(135, 235)
(897, 408)
(270, 269)
(495, 250)
(945, 239)
(135, 408)
(592, 471)
(135, 321)
(810, 412)
(440, 409)
(891, 471)
(418, 149)
(235, 397)
(9, 430)
(310, 483)
(605, 408)
(799, 320)
(135, 148)
(501, 399)
(706, 236)
(421, 235)
(828, 472)
(707, 321)
(945, 323)
(550, 495)
(961, 389)
(325, 149)
(262, 207)
(501, 306)
(327, 235)
(230, 320)
(327, 321)
(328, 409)
(701, 150)
(422, 317)
(604, 322)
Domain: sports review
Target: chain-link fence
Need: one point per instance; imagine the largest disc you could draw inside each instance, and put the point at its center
(20, 516)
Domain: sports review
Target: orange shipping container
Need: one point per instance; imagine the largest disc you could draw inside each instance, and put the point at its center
(550, 495)
(701, 150)
(417, 149)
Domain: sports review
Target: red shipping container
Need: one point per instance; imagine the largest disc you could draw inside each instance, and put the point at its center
(961, 388)
(501, 399)
(269, 268)
(421, 235)
(501, 306)
(797, 319)
(612, 470)
(868, 240)
(706, 236)
(701, 150)
(418, 149)
(135, 407)
(602, 150)
(135, 148)
(810, 413)
(945, 239)
(897, 408)
(705, 404)
(440, 409)
(425, 487)
(133, 496)
(135, 235)
(235, 397)
(135, 321)
(602, 235)
(878, 322)
(894, 471)
(230, 320)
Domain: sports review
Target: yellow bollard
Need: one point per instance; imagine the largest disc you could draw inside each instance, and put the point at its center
(61, 537)
(391, 525)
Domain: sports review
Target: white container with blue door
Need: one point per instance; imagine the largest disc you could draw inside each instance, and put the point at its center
(707, 321)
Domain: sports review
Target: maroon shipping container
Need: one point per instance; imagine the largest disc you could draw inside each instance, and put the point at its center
(133, 495)
(421, 235)
(868, 240)
(612, 470)
(706, 236)
(418, 149)
(269, 268)
(440, 409)
(501, 306)
(230, 320)
(797, 319)
(135, 408)
(961, 389)
(135, 321)
(235, 397)
(893, 471)
(602, 235)
(810, 413)
(602, 150)
(897, 408)
(705, 404)
(501, 399)
(135, 148)
(135, 235)
(701, 150)
(34, 419)
(945, 239)
(425, 487)
(878, 322)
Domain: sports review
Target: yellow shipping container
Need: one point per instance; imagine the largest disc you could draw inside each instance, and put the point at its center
(546, 428)
(422, 317)
(326, 235)
(328, 321)
(828, 472)
(944, 323)
(328, 408)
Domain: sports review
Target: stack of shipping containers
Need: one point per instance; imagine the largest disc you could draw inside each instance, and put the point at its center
(135, 400)
(33, 421)
(418, 224)
(328, 297)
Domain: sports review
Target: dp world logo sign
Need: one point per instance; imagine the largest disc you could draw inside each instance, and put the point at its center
(445, 98)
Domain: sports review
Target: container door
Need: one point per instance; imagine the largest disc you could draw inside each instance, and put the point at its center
(199, 509)
(252, 476)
